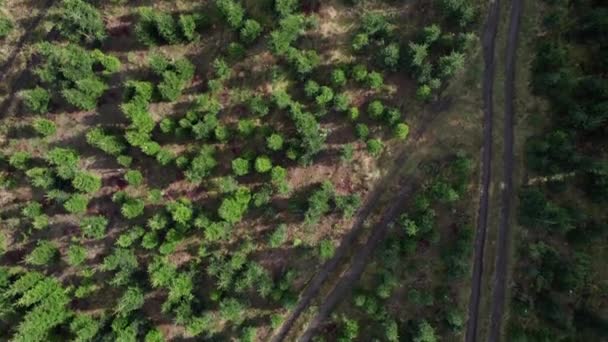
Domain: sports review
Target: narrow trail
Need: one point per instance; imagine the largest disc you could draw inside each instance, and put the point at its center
(489, 47)
(346, 245)
(502, 251)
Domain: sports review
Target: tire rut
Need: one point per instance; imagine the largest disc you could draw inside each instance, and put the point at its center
(502, 251)
(489, 47)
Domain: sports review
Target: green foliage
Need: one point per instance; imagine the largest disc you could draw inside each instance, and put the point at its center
(258, 105)
(349, 330)
(401, 131)
(348, 204)
(187, 26)
(390, 55)
(278, 177)
(86, 182)
(77, 204)
(232, 11)
(132, 208)
(77, 254)
(278, 236)
(37, 100)
(234, 207)
(246, 127)
(240, 166)
(425, 333)
(319, 203)
(462, 11)
(338, 77)
(154, 27)
(108, 143)
(232, 310)
(347, 153)
(72, 71)
(44, 253)
(131, 300)
(93, 226)
(85, 327)
(202, 165)
(451, 64)
(325, 96)
(342, 102)
(65, 161)
(45, 127)
(6, 26)
(134, 177)
(181, 211)
(154, 335)
(275, 142)
(375, 109)
(286, 7)
(326, 249)
(250, 31)
(375, 147)
(263, 164)
(85, 93)
(375, 80)
(362, 131)
(19, 160)
(79, 21)
(360, 41)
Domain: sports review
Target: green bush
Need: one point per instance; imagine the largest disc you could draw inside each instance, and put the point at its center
(43, 254)
(375, 147)
(311, 88)
(77, 254)
(94, 226)
(375, 109)
(319, 203)
(338, 77)
(263, 164)
(181, 211)
(37, 100)
(286, 7)
(132, 208)
(326, 249)
(6, 26)
(240, 166)
(76, 204)
(375, 80)
(187, 25)
(275, 142)
(325, 96)
(390, 56)
(401, 131)
(134, 177)
(45, 127)
(232, 11)
(85, 94)
(278, 236)
(86, 182)
(234, 207)
(250, 31)
(80, 21)
(362, 131)
(19, 160)
(278, 177)
(359, 73)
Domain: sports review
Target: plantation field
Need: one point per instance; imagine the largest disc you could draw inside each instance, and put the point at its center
(182, 170)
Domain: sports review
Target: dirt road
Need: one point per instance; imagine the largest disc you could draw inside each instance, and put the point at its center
(502, 251)
(488, 44)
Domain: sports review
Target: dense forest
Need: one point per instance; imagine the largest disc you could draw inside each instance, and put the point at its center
(560, 277)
